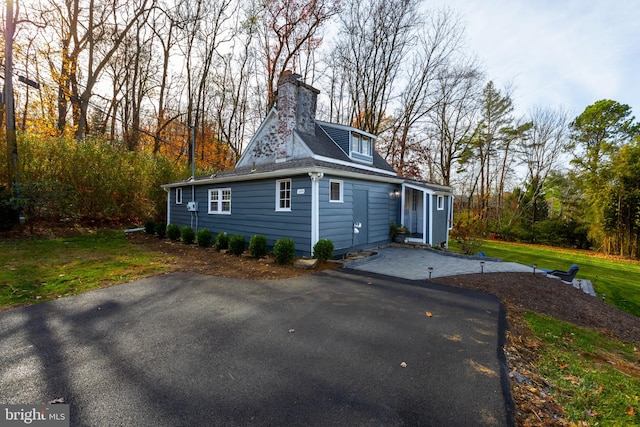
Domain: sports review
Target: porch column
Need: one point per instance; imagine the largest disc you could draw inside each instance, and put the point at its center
(315, 207)
(168, 190)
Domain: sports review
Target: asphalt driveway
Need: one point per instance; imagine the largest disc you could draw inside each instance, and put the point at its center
(325, 349)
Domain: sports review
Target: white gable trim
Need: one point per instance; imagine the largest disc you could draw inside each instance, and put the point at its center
(304, 145)
(272, 115)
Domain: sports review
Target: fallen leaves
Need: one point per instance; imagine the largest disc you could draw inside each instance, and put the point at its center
(429, 314)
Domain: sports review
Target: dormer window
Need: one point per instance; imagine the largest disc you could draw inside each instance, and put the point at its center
(361, 147)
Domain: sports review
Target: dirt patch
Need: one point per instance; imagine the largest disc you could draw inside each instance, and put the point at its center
(538, 293)
(192, 258)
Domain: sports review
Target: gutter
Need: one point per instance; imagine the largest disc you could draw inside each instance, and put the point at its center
(284, 173)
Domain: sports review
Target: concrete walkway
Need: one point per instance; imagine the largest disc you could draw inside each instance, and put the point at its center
(412, 263)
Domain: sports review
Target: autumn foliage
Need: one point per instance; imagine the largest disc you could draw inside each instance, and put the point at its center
(61, 179)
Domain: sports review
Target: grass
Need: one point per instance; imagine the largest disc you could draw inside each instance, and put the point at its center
(595, 379)
(616, 278)
(585, 369)
(42, 269)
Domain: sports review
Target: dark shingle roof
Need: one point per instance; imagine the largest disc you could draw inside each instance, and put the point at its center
(322, 145)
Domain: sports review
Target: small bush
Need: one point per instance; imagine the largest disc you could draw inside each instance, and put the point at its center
(468, 232)
(222, 241)
(236, 244)
(203, 237)
(258, 246)
(150, 227)
(187, 234)
(8, 212)
(284, 250)
(161, 229)
(323, 249)
(173, 231)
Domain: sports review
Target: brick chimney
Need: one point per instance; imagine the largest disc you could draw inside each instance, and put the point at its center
(296, 104)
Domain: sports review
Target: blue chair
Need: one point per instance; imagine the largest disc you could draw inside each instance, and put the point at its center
(565, 276)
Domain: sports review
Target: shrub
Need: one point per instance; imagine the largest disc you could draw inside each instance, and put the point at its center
(284, 250)
(92, 181)
(161, 229)
(203, 237)
(222, 241)
(173, 231)
(258, 246)
(8, 212)
(236, 244)
(150, 227)
(323, 249)
(467, 232)
(187, 234)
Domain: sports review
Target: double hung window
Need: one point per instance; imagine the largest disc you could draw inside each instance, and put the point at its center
(283, 195)
(220, 201)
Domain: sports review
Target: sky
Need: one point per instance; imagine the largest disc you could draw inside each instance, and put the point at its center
(557, 53)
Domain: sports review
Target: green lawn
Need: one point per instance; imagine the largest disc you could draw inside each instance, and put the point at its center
(617, 279)
(41, 269)
(588, 373)
(585, 370)
(581, 366)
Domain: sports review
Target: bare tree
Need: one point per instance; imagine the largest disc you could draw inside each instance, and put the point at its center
(542, 151)
(232, 89)
(454, 119)
(437, 42)
(290, 30)
(98, 37)
(374, 40)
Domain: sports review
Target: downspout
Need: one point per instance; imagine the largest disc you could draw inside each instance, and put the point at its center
(194, 213)
(315, 207)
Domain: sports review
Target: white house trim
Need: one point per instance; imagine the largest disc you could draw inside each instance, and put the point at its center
(315, 207)
(168, 190)
(430, 216)
(291, 172)
(354, 165)
(427, 224)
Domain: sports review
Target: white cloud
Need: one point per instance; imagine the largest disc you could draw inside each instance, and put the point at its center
(568, 53)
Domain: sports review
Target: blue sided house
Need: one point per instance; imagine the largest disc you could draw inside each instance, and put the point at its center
(308, 180)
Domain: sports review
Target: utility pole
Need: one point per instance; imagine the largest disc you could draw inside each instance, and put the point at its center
(12, 145)
(10, 111)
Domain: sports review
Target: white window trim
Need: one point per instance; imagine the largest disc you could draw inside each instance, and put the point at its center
(341, 183)
(278, 182)
(440, 203)
(219, 201)
(178, 195)
(357, 142)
